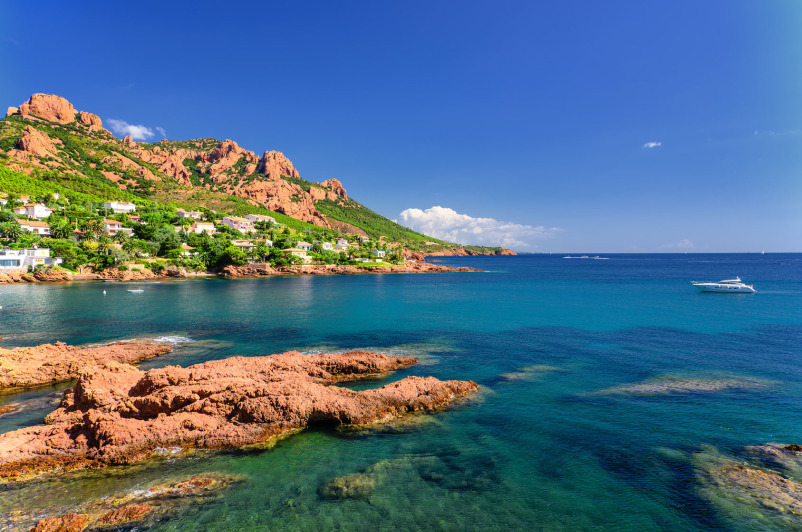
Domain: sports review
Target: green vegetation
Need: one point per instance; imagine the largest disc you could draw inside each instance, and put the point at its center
(375, 225)
(303, 183)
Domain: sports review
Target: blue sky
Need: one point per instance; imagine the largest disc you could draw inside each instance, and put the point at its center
(527, 123)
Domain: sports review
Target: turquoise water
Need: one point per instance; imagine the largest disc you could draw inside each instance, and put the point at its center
(539, 448)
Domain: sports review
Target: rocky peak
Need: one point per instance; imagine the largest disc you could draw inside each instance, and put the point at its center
(129, 141)
(335, 186)
(50, 107)
(274, 164)
(93, 121)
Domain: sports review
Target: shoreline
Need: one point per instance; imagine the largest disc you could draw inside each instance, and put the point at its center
(229, 272)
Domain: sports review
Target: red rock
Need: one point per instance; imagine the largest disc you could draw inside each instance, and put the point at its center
(59, 362)
(117, 414)
(93, 121)
(37, 143)
(5, 409)
(12, 111)
(274, 164)
(131, 512)
(50, 107)
(70, 522)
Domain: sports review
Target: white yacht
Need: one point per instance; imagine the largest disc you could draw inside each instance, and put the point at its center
(727, 285)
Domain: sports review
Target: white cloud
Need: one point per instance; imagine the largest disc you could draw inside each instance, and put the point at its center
(123, 129)
(448, 224)
(683, 245)
(651, 145)
(161, 131)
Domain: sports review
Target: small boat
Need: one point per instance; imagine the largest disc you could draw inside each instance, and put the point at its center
(732, 286)
(136, 290)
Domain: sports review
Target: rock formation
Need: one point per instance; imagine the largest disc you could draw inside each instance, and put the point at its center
(53, 363)
(117, 414)
(36, 143)
(132, 509)
(93, 121)
(50, 107)
(274, 164)
(257, 270)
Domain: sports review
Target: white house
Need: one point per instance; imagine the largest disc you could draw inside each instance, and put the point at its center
(20, 259)
(240, 224)
(34, 226)
(243, 244)
(364, 239)
(120, 206)
(203, 227)
(192, 215)
(379, 253)
(327, 246)
(113, 227)
(306, 246)
(260, 218)
(34, 210)
(341, 244)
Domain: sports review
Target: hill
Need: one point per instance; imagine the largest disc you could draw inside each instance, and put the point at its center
(60, 149)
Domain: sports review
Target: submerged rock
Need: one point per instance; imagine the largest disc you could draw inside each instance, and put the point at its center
(137, 507)
(528, 372)
(357, 485)
(671, 384)
(23, 367)
(117, 414)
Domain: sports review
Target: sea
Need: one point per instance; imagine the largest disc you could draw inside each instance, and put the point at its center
(611, 393)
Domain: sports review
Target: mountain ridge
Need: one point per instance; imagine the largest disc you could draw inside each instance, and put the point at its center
(47, 135)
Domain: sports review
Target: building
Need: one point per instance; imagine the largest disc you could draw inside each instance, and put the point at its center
(203, 227)
(341, 244)
(113, 227)
(327, 246)
(243, 244)
(306, 246)
(300, 253)
(21, 259)
(364, 239)
(260, 218)
(120, 206)
(192, 215)
(34, 210)
(188, 251)
(240, 224)
(379, 253)
(34, 226)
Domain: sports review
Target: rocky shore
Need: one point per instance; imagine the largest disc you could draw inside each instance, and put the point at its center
(24, 367)
(117, 414)
(247, 270)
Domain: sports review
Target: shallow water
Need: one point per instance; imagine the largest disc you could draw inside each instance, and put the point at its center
(539, 450)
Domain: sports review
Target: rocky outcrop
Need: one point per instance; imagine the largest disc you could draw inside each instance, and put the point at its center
(257, 270)
(53, 363)
(93, 121)
(12, 111)
(36, 143)
(117, 414)
(336, 187)
(274, 164)
(223, 157)
(50, 107)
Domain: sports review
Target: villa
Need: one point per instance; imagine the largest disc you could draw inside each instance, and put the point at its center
(379, 253)
(35, 227)
(240, 224)
(192, 215)
(113, 227)
(300, 253)
(306, 246)
(260, 218)
(120, 206)
(34, 210)
(203, 227)
(21, 259)
(244, 244)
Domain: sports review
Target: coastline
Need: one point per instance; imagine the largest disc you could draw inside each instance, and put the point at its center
(229, 272)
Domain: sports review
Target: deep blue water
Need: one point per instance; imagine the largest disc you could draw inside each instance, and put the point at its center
(546, 445)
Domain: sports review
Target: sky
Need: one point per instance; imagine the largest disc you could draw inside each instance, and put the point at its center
(546, 126)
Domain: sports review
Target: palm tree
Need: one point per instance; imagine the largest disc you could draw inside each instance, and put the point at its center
(61, 230)
(104, 246)
(121, 237)
(12, 231)
(93, 228)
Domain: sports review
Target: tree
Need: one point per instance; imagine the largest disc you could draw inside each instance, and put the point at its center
(120, 237)
(104, 245)
(61, 229)
(93, 229)
(12, 231)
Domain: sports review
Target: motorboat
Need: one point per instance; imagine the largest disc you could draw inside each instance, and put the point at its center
(731, 286)
(136, 291)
